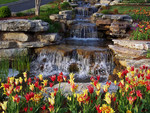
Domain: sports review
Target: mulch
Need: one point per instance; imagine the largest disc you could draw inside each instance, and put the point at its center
(14, 17)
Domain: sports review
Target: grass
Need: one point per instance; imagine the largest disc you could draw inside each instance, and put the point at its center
(135, 1)
(7, 1)
(46, 11)
(125, 8)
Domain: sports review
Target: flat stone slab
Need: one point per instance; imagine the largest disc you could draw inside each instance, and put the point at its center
(113, 16)
(142, 45)
(128, 51)
(24, 25)
(10, 53)
(8, 44)
(36, 44)
(65, 87)
(16, 36)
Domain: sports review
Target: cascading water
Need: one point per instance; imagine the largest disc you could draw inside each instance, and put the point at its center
(84, 30)
(75, 57)
(83, 61)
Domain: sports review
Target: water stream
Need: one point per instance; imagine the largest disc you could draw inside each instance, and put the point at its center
(83, 53)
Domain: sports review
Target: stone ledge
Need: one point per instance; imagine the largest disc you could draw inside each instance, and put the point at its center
(23, 25)
(10, 53)
(131, 52)
(8, 44)
(141, 45)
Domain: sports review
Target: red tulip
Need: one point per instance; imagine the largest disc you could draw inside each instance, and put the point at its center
(36, 84)
(65, 78)
(60, 78)
(148, 77)
(98, 77)
(51, 84)
(92, 78)
(31, 108)
(25, 109)
(139, 94)
(53, 77)
(95, 82)
(43, 107)
(91, 89)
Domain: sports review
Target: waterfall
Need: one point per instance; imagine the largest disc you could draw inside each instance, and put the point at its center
(82, 62)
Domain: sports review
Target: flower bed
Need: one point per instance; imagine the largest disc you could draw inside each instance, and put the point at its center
(132, 95)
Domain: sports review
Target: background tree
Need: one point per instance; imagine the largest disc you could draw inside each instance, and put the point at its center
(37, 7)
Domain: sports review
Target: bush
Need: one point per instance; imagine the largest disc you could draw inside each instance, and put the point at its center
(65, 5)
(20, 14)
(5, 12)
(105, 11)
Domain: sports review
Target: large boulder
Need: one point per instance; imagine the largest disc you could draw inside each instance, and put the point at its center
(23, 25)
(8, 44)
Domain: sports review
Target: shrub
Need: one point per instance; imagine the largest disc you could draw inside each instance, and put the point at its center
(105, 11)
(65, 5)
(5, 12)
(115, 11)
(20, 14)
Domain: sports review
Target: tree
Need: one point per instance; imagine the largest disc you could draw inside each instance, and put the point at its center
(37, 7)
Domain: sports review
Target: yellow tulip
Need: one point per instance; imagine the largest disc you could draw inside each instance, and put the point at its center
(108, 98)
(20, 80)
(32, 87)
(25, 79)
(25, 74)
(40, 77)
(119, 74)
(16, 81)
(52, 101)
(69, 98)
(4, 105)
(44, 82)
(97, 93)
(71, 76)
(11, 80)
(98, 86)
(115, 82)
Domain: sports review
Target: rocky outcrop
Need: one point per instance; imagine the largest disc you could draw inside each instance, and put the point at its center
(23, 25)
(131, 52)
(114, 25)
(63, 15)
(19, 34)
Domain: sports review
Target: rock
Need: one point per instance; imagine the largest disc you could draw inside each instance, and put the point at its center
(10, 53)
(36, 44)
(81, 86)
(69, 12)
(105, 1)
(49, 38)
(123, 52)
(104, 4)
(103, 22)
(118, 17)
(115, 2)
(23, 25)
(16, 36)
(54, 17)
(73, 5)
(8, 44)
(119, 27)
(142, 45)
(98, 5)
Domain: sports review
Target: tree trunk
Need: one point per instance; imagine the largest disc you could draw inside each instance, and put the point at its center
(37, 7)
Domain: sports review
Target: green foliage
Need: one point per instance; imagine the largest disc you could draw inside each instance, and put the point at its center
(65, 5)
(20, 14)
(135, 1)
(105, 11)
(148, 54)
(5, 12)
